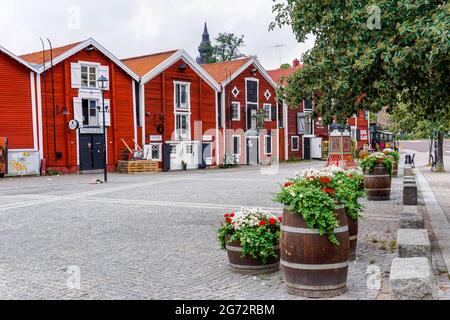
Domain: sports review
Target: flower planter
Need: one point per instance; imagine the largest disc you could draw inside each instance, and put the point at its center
(313, 266)
(395, 170)
(249, 265)
(353, 228)
(378, 184)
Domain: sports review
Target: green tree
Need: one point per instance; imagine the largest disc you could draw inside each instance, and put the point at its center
(285, 66)
(208, 50)
(228, 46)
(370, 54)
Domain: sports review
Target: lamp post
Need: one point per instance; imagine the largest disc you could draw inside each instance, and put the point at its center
(103, 84)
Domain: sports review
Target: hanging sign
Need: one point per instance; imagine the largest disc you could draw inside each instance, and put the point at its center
(74, 124)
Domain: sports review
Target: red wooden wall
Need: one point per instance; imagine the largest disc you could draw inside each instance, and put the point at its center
(16, 121)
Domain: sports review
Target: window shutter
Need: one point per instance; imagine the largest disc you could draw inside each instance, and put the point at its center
(75, 75)
(274, 113)
(78, 110)
(104, 71)
(107, 113)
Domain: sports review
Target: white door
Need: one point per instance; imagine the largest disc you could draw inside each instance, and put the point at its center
(190, 154)
(316, 148)
(175, 156)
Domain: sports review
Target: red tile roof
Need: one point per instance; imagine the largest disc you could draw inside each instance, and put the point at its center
(36, 57)
(144, 64)
(280, 75)
(221, 71)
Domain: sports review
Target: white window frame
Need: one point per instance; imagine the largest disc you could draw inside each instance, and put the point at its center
(269, 118)
(298, 143)
(188, 121)
(234, 104)
(265, 145)
(160, 151)
(188, 98)
(89, 65)
(239, 146)
(89, 124)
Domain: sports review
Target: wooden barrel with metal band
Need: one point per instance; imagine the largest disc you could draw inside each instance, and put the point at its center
(378, 184)
(249, 265)
(395, 169)
(353, 228)
(313, 266)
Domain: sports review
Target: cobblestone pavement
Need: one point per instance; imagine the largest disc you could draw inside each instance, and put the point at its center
(153, 237)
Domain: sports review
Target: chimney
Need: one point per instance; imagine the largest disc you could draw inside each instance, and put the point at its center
(295, 63)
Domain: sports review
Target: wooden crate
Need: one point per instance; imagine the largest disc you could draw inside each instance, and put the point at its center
(135, 167)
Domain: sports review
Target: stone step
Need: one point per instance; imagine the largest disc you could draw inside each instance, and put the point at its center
(412, 279)
(413, 243)
(410, 218)
(410, 194)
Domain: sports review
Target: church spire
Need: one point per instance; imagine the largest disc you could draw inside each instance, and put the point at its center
(205, 49)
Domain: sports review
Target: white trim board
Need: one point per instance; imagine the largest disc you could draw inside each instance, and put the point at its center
(18, 59)
(180, 54)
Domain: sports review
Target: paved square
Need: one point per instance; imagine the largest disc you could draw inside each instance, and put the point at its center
(154, 237)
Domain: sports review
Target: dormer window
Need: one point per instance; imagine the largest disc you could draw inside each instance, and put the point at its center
(182, 96)
(88, 76)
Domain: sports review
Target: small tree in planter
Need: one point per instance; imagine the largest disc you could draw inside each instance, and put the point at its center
(396, 157)
(316, 266)
(251, 238)
(378, 171)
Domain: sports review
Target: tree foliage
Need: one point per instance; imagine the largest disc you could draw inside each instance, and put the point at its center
(370, 54)
(228, 47)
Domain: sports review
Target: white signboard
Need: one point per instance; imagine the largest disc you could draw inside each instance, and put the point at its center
(23, 163)
(156, 138)
(364, 135)
(208, 138)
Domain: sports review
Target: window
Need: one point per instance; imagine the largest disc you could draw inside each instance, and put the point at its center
(90, 112)
(301, 123)
(182, 127)
(182, 96)
(267, 145)
(354, 133)
(295, 143)
(173, 149)
(237, 145)
(88, 77)
(267, 112)
(156, 151)
(252, 91)
(189, 149)
(235, 111)
(308, 105)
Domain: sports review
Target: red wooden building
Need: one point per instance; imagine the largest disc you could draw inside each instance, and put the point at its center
(178, 111)
(68, 90)
(19, 109)
(248, 112)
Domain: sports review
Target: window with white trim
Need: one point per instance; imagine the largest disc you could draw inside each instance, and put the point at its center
(295, 143)
(156, 151)
(90, 113)
(304, 123)
(182, 96)
(267, 145)
(237, 145)
(182, 126)
(88, 76)
(236, 111)
(267, 112)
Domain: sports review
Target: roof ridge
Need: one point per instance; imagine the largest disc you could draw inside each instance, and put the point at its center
(229, 61)
(149, 55)
(73, 44)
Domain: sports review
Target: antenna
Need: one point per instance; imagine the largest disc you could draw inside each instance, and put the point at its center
(279, 47)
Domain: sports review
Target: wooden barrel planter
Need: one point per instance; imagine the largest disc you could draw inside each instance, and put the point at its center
(378, 184)
(353, 228)
(249, 265)
(395, 169)
(312, 265)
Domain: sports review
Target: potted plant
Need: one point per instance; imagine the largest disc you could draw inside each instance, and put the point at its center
(378, 172)
(184, 165)
(314, 234)
(396, 157)
(251, 238)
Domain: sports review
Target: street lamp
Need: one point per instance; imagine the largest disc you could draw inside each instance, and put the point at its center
(103, 85)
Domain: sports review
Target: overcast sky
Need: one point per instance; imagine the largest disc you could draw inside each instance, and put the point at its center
(136, 27)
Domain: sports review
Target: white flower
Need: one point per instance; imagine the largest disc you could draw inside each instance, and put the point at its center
(250, 217)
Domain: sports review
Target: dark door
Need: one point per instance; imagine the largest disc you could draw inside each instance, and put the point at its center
(166, 157)
(307, 149)
(91, 152)
(206, 153)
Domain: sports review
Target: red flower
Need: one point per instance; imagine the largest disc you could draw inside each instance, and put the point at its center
(226, 216)
(328, 190)
(232, 215)
(325, 190)
(325, 180)
(272, 221)
(350, 175)
(229, 220)
(280, 219)
(288, 184)
(262, 223)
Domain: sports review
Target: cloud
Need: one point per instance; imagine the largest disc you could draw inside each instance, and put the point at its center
(135, 27)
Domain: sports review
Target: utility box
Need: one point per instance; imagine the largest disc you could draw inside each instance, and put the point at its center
(23, 163)
(3, 157)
